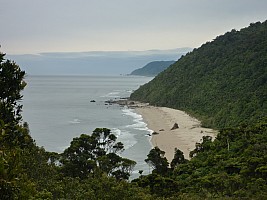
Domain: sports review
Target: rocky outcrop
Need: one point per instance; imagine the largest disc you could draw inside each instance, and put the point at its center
(175, 126)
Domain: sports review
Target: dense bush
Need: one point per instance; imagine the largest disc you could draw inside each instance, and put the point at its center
(233, 166)
(224, 82)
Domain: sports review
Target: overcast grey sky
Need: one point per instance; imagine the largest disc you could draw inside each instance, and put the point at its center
(33, 26)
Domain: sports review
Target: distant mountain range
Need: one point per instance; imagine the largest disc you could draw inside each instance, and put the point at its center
(93, 62)
(152, 68)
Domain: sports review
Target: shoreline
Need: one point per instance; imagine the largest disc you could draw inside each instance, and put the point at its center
(162, 119)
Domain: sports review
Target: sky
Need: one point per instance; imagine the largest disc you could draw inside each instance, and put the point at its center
(34, 26)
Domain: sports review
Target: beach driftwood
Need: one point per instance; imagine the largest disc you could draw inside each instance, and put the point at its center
(175, 126)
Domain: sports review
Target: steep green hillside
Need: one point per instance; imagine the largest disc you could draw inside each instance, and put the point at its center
(224, 82)
(152, 68)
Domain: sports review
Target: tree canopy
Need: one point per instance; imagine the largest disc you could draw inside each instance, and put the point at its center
(223, 83)
(91, 154)
(157, 161)
(11, 84)
(233, 166)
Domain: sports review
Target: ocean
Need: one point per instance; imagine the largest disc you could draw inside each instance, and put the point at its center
(59, 108)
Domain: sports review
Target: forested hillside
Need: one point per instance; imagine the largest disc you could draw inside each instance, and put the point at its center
(224, 82)
(152, 68)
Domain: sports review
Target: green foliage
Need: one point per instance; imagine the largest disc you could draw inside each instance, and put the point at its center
(223, 83)
(94, 154)
(159, 186)
(102, 187)
(157, 161)
(178, 158)
(11, 84)
(14, 137)
(233, 166)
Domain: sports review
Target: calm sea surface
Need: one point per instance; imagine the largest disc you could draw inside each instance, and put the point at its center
(58, 108)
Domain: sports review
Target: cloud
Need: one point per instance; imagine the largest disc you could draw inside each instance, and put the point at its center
(66, 25)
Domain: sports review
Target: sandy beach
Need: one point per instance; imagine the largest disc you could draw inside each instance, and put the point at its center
(162, 119)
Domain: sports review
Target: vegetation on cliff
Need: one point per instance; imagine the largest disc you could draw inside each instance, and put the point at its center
(223, 83)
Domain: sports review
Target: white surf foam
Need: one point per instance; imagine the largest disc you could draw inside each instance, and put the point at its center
(114, 94)
(125, 137)
(116, 132)
(75, 121)
(139, 124)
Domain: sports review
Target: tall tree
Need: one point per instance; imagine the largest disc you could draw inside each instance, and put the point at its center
(11, 85)
(178, 158)
(156, 159)
(90, 154)
(14, 137)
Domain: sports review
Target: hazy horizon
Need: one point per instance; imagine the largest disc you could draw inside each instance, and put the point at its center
(34, 26)
(114, 37)
(92, 62)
